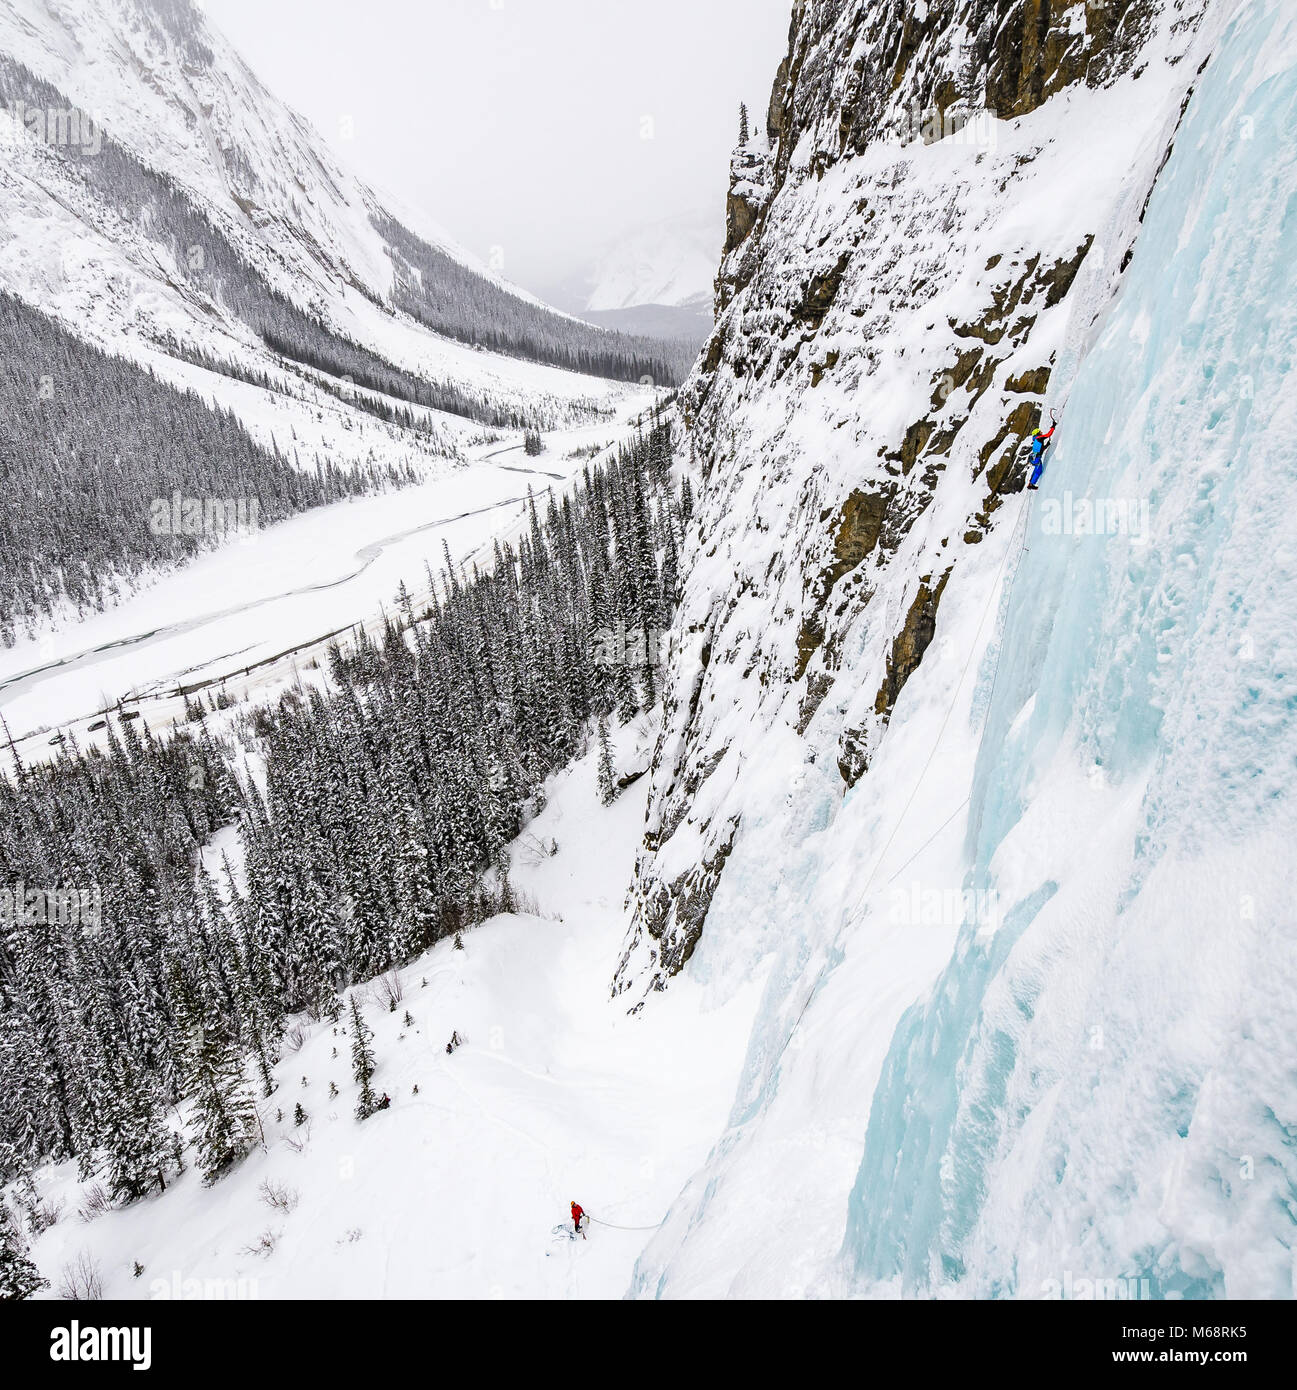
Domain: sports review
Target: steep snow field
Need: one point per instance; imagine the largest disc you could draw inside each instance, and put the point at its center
(270, 186)
(455, 1192)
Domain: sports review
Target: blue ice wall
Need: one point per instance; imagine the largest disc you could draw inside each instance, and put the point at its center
(1169, 664)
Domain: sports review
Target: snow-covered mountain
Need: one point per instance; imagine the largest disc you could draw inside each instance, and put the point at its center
(1024, 758)
(671, 263)
(657, 279)
(153, 189)
(157, 203)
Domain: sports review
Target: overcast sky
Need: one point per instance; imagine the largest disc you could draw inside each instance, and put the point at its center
(545, 128)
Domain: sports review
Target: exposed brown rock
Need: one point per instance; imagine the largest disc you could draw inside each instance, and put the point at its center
(820, 294)
(853, 756)
(1005, 298)
(914, 443)
(860, 527)
(817, 688)
(954, 377)
(910, 644)
(1034, 382)
(715, 350)
(675, 915)
(1024, 418)
(819, 368)
(810, 638)
(1036, 51)
(944, 439)
(740, 218)
(1058, 279)
(777, 111)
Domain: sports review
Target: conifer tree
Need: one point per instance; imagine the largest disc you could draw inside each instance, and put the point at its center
(19, 1277)
(137, 1141)
(362, 1060)
(607, 773)
(224, 1116)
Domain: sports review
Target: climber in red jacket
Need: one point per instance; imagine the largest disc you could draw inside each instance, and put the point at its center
(577, 1215)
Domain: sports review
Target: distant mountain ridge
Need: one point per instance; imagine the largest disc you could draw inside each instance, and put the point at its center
(172, 96)
(656, 280)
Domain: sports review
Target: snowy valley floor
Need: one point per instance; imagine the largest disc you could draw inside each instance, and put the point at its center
(454, 1192)
(282, 591)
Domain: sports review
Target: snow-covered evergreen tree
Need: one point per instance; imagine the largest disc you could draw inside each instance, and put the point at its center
(607, 773)
(362, 1059)
(136, 1138)
(19, 1277)
(224, 1120)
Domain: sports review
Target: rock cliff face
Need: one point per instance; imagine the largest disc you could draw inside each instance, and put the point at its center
(910, 243)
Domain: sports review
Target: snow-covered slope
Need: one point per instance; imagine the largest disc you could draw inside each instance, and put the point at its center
(150, 85)
(924, 741)
(455, 1191)
(164, 83)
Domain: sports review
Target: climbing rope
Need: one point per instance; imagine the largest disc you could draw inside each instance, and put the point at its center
(612, 1226)
(927, 842)
(1015, 549)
